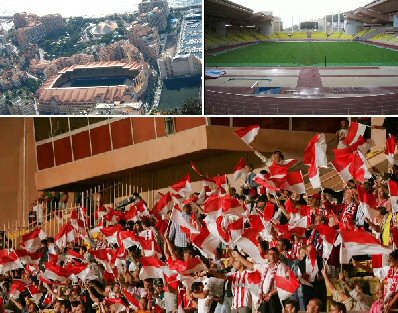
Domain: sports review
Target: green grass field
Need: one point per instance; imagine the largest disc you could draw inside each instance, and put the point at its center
(306, 54)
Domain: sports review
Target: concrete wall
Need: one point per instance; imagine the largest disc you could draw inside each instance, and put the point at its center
(16, 196)
(352, 27)
(266, 28)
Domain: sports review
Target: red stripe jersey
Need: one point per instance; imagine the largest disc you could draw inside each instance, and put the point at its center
(240, 292)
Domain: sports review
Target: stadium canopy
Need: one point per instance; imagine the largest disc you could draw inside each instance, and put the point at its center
(376, 12)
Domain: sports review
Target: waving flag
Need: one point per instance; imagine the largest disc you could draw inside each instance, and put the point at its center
(134, 302)
(127, 239)
(35, 293)
(355, 131)
(111, 233)
(239, 169)
(206, 242)
(357, 242)
(247, 134)
(32, 241)
(178, 218)
(248, 243)
(342, 163)
(329, 235)
(286, 286)
(16, 288)
(55, 272)
(65, 235)
(358, 167)
(315, 157)
(152, 267)
(27, 257)
(164, 204)
(390, 149)
(393, 190)
(9, 261)
(367, 202)
(183, 187)
(191, 266)
(294, 182)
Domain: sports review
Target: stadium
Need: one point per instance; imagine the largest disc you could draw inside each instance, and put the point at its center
(340, 64)
(80, 87)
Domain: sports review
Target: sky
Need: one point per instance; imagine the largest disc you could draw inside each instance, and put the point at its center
(301, 9)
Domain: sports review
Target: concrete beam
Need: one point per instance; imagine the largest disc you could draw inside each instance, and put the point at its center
(380, 17)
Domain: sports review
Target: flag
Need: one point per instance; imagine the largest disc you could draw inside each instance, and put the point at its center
(298, 221)
(294, 182)
(367, 202)
(315, 152)
(117, 305)
(32, 241)
(218, 228)
(342, 162)
(277, 171)
(152, 267)
(235, 230)
(380, 265)
(27, 257)
(16, 288)
(178, 218)
(239, 169)
(390, 149)
(328, 235)
(111, 233)
(80, 270)
(55, 272)
(183, 187)
(164, 204)
(393, 190)
(358, 167)
(357, 242)
(127, 239)
(247, 134)
(35, 293)
(206, 242)
(65, 235)
(265, 182)
(231, 205)
(9, 261)
(134, 302)
(248, 243)
(191, 266)
(355, 131)
(286, 286)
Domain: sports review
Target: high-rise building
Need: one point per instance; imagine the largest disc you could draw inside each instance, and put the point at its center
(146, 38)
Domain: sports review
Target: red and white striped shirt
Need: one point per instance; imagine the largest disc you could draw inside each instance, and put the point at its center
(240, 292)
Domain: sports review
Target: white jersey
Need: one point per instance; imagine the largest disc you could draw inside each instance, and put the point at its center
(241, 295)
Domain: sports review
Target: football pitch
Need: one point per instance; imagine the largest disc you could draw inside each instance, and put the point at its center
(275, 54)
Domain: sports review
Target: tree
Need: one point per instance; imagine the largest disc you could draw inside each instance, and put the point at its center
(191, 106)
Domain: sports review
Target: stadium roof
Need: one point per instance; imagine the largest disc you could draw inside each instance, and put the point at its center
(232, 13)
(375, 12)
(383, 6)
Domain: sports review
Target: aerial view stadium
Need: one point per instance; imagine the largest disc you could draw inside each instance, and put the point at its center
(345, 62)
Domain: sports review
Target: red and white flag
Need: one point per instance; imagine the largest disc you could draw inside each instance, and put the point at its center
(265, 182)
(193, 265)
(178, 218)
(315, 157)
(111, 233)
(66, 235)
(150, 247)
(81, 271)
(183, 187)
(390, 149)
(231, 205)
(298, 221)
(342, 163)
(286, 286)
(134, 302)
(278, 171)
(16, 288)
(355, 131)
(294, 182)
(328, 235)
(393, 190)
(235, 230)
(357, 242)
(164, 204)
(117, 305)
(28, 257)
(128, 239)
(55, 272)
(239, 169)
(32, 241)
(9, 261)
(380, 265)
(218, 227)
(367, 202)
(248, 243)
(152, 267)
(358, 167)
(247, 134)
(206, 242)
(35, 293)
(315, 153)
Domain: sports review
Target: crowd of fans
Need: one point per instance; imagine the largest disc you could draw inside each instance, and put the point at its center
(228, 280)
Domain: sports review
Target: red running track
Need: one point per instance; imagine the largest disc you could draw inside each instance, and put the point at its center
(219, 103)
